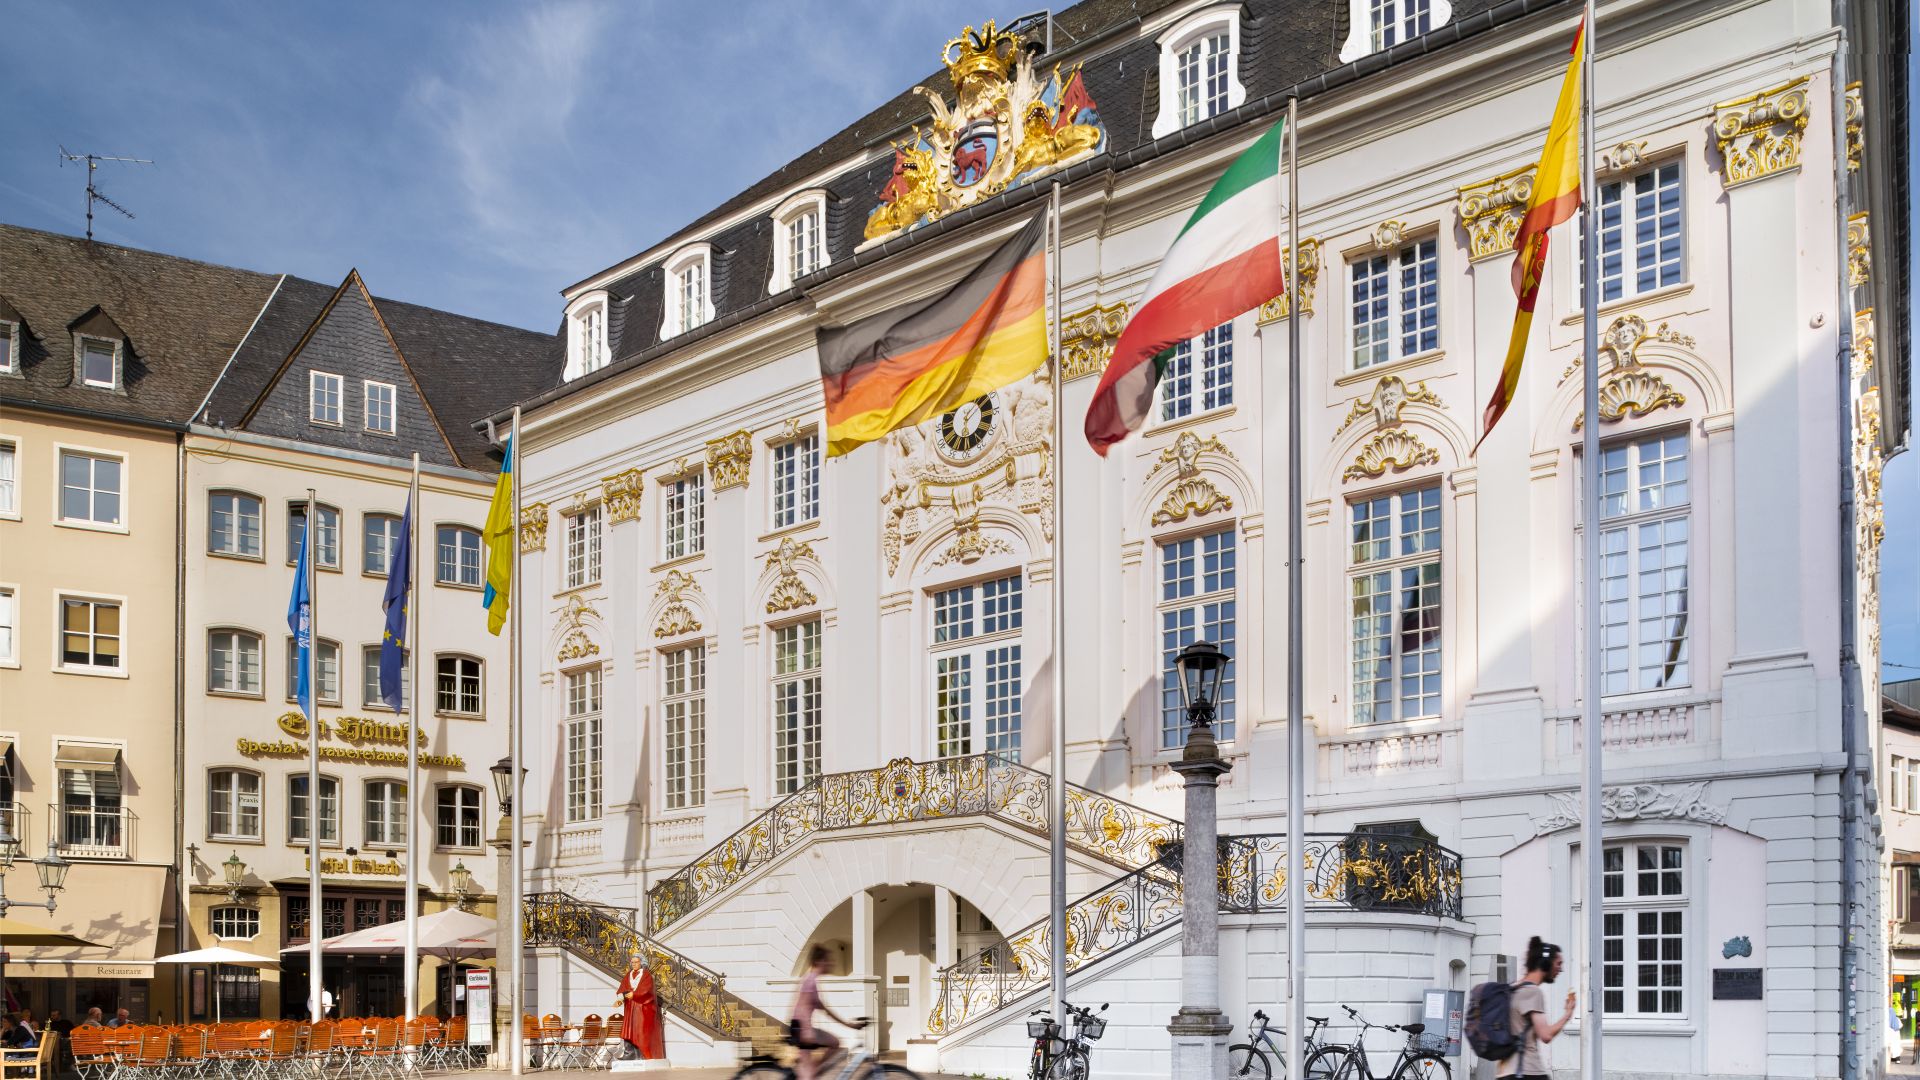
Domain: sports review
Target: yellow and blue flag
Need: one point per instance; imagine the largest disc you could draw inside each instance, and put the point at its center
(499, 538)
(393, 643)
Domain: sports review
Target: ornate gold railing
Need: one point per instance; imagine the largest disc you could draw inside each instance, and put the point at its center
(903, 790)
(1356, 871)
(606, 936)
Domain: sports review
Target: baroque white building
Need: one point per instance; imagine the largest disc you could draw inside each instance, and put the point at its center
(775, 700)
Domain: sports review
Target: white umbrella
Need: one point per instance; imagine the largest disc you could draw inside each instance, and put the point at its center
(217, 955)
(451, 934)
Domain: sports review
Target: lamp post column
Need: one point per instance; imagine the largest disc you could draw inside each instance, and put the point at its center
(1200, 1029)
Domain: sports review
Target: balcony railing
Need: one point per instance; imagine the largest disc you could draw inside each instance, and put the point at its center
(19, 823)
(86, 833)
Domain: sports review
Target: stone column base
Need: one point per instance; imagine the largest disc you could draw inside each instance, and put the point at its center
(1199, 1043)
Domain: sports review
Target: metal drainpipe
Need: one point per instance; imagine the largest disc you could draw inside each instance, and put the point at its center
(180, 867)
(1851, 780)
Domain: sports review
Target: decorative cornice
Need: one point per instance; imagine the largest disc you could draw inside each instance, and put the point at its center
(1388, 395)
(790, 591)
(676, 618)
(1195, 496)
(729, 459)
(1856, 121)
(970, 545)
(622, 492)
(1087, 337)
(1628, 155)
(1491, 210)
(1306, 279)
(1185, 453)
(1759, 135)
(1393, 448)
(1634, 802)
(1859, 252)
(533, 527)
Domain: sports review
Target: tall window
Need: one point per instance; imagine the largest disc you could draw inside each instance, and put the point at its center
(233, 524)
(796, 481)
(1197, 602)
(685, 520)
(99, 363)
(1395, 592)
(90, 818)
(1202, 70)
(690, 294)
(326, 539)
(233, 662)
(1395, 21)
(1642, 235)
(803, 244)
(583, 548)
(329, 810)
(583, 745)
(379, 536)
(89, 634)
(90, 488)
(1897, 783)
(386, 813)
(1396, 304)
(233, 804)
(457, 817)
(592, 326)
(683, 700)
(9, 348)
(1643, 560)
(457, 559)
(457, 685)
(9, 479)
(326, 670)
(976, 668)
(323, 398)
(1184, 390)
(370, 680)
(796, 706)
(1643, 925)
(380, 407)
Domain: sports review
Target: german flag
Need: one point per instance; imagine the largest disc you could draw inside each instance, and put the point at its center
(900, 367)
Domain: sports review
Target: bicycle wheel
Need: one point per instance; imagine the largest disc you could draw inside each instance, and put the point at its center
(1424, 1067)
(1325, 1063)
(1071, 1065)
(764, 1070)
(1249, 1061)
(892, 1072)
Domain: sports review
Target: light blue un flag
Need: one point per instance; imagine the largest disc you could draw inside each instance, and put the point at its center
(300, 621)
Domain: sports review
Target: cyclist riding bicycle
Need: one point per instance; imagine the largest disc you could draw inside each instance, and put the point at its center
(806, 1038)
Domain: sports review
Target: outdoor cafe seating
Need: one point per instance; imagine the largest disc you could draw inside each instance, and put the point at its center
(271, 1050)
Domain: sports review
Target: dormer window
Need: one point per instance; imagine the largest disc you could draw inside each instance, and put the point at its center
(1199, 67)
(689, 299)
(1382, 24)
(587, 349)
(323, 398)
(799, 239)
(9, 348)
(99, 362)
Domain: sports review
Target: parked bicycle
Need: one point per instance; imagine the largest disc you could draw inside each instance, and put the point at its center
(1047, 1043)
(1255, 1058)
(854, 1062)
(1424, 1057)
(1073, 1059)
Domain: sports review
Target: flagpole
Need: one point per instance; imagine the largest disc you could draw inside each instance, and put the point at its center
(1296, 622)
(314, 921)
(414, 618)
(516, 930)
(1590, 719)
(1057, 781)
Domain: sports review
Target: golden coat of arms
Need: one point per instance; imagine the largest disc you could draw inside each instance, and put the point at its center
(1005, 126)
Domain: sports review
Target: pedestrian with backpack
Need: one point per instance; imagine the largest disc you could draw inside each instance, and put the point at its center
(1527, 1012)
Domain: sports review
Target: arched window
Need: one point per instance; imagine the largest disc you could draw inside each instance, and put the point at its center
(689, 294)
(457, 556)
(458, 685)
(326, 671)
(233, 524)
(386, 814)
(457, 817)
(329, 810)
(233, 804)
(1199, 68)
(799, 239)
(1373, 25)
(233, 662)
(379, 536)
(587, 346)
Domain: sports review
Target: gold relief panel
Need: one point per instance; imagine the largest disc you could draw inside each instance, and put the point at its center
(790, 592)
(1859, 252)
(1632, 392)
(533, 527)
(677, 617)
(1185, 454)
(1389, 395)
(729, 458)
(1856, 121)
(576, 646)
(1491, 210)
(1863, 348)
(970, 545)
(1087, 337)
(1306, 277)
(622, 493)
(1192, 497)
(1394, 448)
(1759, 135)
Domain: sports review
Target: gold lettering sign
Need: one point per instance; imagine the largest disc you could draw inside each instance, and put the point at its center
(353, 729)
(374, 867)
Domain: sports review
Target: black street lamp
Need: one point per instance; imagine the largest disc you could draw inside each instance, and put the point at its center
(1202, 665)
(503, 785)
(236, 872)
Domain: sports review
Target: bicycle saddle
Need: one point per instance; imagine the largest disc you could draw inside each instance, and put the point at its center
(1413, 1029)
(1317, 1019)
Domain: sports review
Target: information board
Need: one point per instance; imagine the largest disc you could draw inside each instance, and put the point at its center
(479, 1006)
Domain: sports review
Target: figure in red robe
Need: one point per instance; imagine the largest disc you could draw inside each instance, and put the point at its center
(640, 1023)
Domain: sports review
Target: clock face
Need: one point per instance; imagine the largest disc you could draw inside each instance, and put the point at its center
(964, 431)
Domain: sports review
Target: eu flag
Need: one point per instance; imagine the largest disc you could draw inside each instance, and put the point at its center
(300, 621)
(393, 643)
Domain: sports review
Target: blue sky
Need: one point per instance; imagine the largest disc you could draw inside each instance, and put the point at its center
(478, 157)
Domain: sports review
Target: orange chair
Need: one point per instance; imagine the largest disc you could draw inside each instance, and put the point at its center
(592, 1042)
(91, 1058)
(382, 1052)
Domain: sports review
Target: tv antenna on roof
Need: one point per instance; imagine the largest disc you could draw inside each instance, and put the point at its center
(93, 193)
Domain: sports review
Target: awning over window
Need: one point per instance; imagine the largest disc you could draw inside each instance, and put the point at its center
(92, 757)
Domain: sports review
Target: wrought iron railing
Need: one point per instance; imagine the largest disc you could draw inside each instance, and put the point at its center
(1356, 871)
(82, 832)
(903, 790)
(607, 936)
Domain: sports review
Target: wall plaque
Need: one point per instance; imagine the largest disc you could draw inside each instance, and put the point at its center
(1737, 984)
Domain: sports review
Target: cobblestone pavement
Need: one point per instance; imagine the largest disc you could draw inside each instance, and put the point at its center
(663, 1074)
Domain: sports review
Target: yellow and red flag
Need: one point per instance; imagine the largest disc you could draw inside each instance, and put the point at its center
(1556, 195)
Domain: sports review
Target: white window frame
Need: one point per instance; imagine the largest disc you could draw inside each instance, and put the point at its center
(683, 714)
(794, 467)
(394, 808)
(975, 633)
(681, 315)
(321, 546)
(583, 744)
(587, 345)
(1413, 256)
(62, 451)
(235, 808)
(1620, 191)
(336, 387)
(95, 600)
(10, 480)
(223, 920)
(463, 794)
(461, 677)
(330, 823)
(786, 218)
(370, 680)
(9, 626)
(460, 564)
(10, 351)
(1632, 529)
(218, 539)
(1360, 35)
(1179, 34)
(374, 558)
(580, 564)
(1169, 716)
(1396, 563)
(798, 693)
(683, 516)
(228, 679)
(322, 647)
(367, 407)
(1897, 782)
(117, 348)
(1184, 393)
(104, 823)
(1631, 904)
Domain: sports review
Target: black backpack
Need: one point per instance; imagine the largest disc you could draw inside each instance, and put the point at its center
(1489, 1025)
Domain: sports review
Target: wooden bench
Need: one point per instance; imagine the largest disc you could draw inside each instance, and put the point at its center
(36, 1063)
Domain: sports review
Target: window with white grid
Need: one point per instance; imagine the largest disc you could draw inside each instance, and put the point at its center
(1644, 541)
(90, 636)
(323, 397)
(796, 481)
(1199, 376)
(977, 674)
(457, 556)
(329, 810)
(796, 706)
(457, 685)
(92, 488)
(9, 479)
(457, 817)
(233, 662)
(326, 670)
(583, 749)
(583, 548)
(591, 340)
(233, 804)
(386, 814)
(1394, 21)
(803, 243)
(370, 679)
(233, 524)
(1396, 304)
(1394, 586)
(1644, 929)
(685, 518)
(1202, 68)
(690, 294)
(1897, 783)
(1642, 235)
(234, 924)
(380, 407)
(326, 538)
(683, 705)
(1198, 602)
(9, 640)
